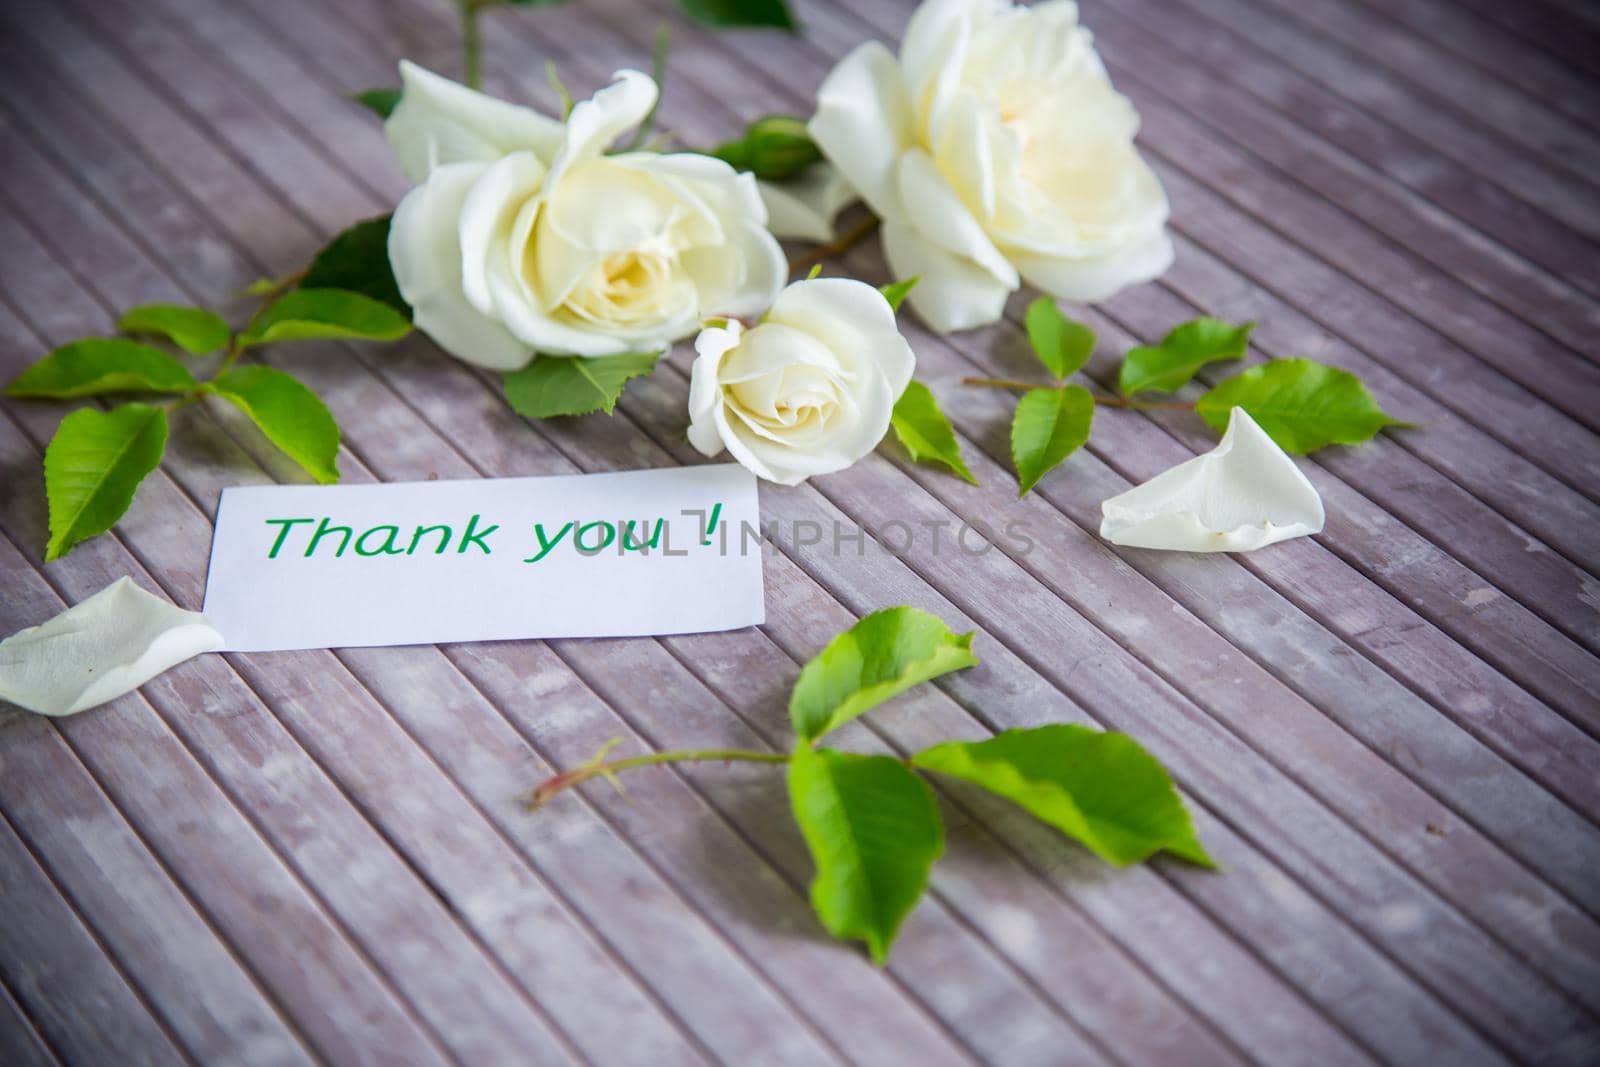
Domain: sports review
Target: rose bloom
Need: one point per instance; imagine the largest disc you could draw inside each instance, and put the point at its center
(524, 238)
(809, 389)
(996, 151)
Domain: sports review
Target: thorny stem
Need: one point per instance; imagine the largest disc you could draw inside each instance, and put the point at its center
(598, 767)
(1105, 401)
(846, 241)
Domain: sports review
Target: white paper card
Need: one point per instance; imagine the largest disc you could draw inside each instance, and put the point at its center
(597, 555)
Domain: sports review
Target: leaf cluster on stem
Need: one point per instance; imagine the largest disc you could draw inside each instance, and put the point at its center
(97, 458)
(872, 823)
(1302, 405)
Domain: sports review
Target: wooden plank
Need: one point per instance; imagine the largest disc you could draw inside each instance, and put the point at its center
(1452, 131)
(72, 992)
(20, 1043)
(1575, 42)
(202, 995)
(1498, 54)
(1373, 49)
(1306, 136)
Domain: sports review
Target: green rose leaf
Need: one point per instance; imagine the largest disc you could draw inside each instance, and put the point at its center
(1166, 367)
(311, 314)
(1050, 425)
(381, 102)
(1061, 344)
(925, 431)
(101, 365)
(1102, 789)
(195, 330)
(571, 385)
(357, 261)
(773, 148)
(883, 655)
(291, 416)
(728, 14)
(1302, 405)
(93, 466)
(873, 829)
(896, 292)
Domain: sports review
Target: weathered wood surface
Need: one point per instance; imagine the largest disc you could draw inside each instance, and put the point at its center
(1390, 733)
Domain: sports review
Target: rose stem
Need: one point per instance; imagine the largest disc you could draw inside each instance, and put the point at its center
(595, 769)
(846, 241)
(1107, 401)
(471, 41)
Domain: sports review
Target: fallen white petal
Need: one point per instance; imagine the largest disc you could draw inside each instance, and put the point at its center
(95, 651)
(1243, 494)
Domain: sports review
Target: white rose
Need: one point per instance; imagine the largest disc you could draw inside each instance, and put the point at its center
(806, 391)
(996, 151)
(524, 238)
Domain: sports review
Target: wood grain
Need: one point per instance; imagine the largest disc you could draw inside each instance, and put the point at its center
(1388, 732)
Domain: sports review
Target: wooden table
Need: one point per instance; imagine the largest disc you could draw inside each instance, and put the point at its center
(1387, 732)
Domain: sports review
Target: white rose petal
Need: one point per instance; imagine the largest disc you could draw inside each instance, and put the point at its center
(95, 651)
(439, 121)
(555, 248)
(863, 122)
(996, 150)
(425, 254)
(803, 207)
(956, 294)
(1243, 494)
(809, 390)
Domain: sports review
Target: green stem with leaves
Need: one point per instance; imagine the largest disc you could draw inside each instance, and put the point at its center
(601, 768)
(236, 347)
(1102, 399)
